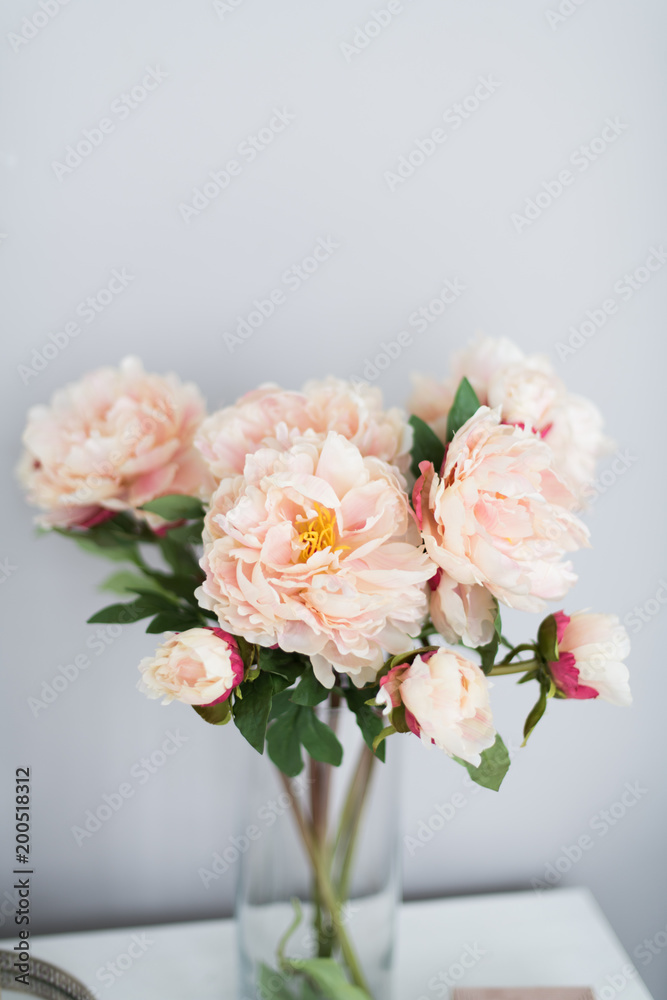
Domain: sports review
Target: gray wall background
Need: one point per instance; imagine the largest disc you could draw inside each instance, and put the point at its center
(227, 67)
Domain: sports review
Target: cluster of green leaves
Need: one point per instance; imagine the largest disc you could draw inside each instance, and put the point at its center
(275, 706)
(166, 596)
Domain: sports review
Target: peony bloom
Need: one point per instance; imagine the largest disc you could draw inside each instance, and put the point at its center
(274, 417)
(462, 612)
(111, 442)
(498, 515)
(446, 700)
(199, 667)
(315, 548)
(591, 650)
(530, 394)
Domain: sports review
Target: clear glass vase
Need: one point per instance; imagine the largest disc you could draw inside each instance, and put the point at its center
(321, 876)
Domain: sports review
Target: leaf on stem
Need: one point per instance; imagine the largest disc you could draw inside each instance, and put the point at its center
(493, 768)
(283, 743)
(368, 719)
(215, 715)
(251, 712)
(175, 507)
(465, 405)
(318, 739)
(426, 446)
(535, 713)
(309, 691)
(329, 978)
(547, 640)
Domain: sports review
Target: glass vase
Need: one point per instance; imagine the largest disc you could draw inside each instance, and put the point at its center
(320, 878)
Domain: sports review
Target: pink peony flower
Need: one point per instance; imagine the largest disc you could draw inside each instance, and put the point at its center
(446, 700)
(201, 666)
(315, 548)
(530, 394)
(275, 417)
(499, 516)
(110, 442)
(591, 650)
(463, 612)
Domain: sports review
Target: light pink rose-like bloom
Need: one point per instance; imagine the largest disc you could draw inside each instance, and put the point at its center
(275, 417)
(462, 611)
(315, 548)
(499, 516)
(112, 441)
(446, 700)
(530, 394)
(201, 666)
(591, 650)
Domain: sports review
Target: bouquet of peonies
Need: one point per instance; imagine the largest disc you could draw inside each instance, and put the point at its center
(314, 547)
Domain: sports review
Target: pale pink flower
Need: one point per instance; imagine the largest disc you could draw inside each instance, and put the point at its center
(112, 441)
(462, 612)
(530, 394)
(446, 700)
(201, 666)
(591, 650)
(315, 548)
(499, 516)
(275, 417)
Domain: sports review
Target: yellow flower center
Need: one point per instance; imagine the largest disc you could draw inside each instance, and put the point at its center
(318, 533)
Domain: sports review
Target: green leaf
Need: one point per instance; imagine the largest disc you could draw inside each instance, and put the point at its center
(277, 661)
(535, 713)
(489, 652)
(251, 713)
(216, 715)
(125, 581)
(120, 552)
(309, 691)
(329, 978)
(547, 640)
(369, 721)
(281, 701)
(180, 558)
(175, 506)
(174, 620)
(495, 765)
(426, 446)
(147, 604)
(188, 534)
(319, 741)
(283, 743)
(465, 405)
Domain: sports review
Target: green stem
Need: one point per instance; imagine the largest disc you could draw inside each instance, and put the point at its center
(523, 648)
(364, 772)
(516, 668)
(326, 889)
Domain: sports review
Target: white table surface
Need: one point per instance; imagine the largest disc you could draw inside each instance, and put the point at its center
(512, 939)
